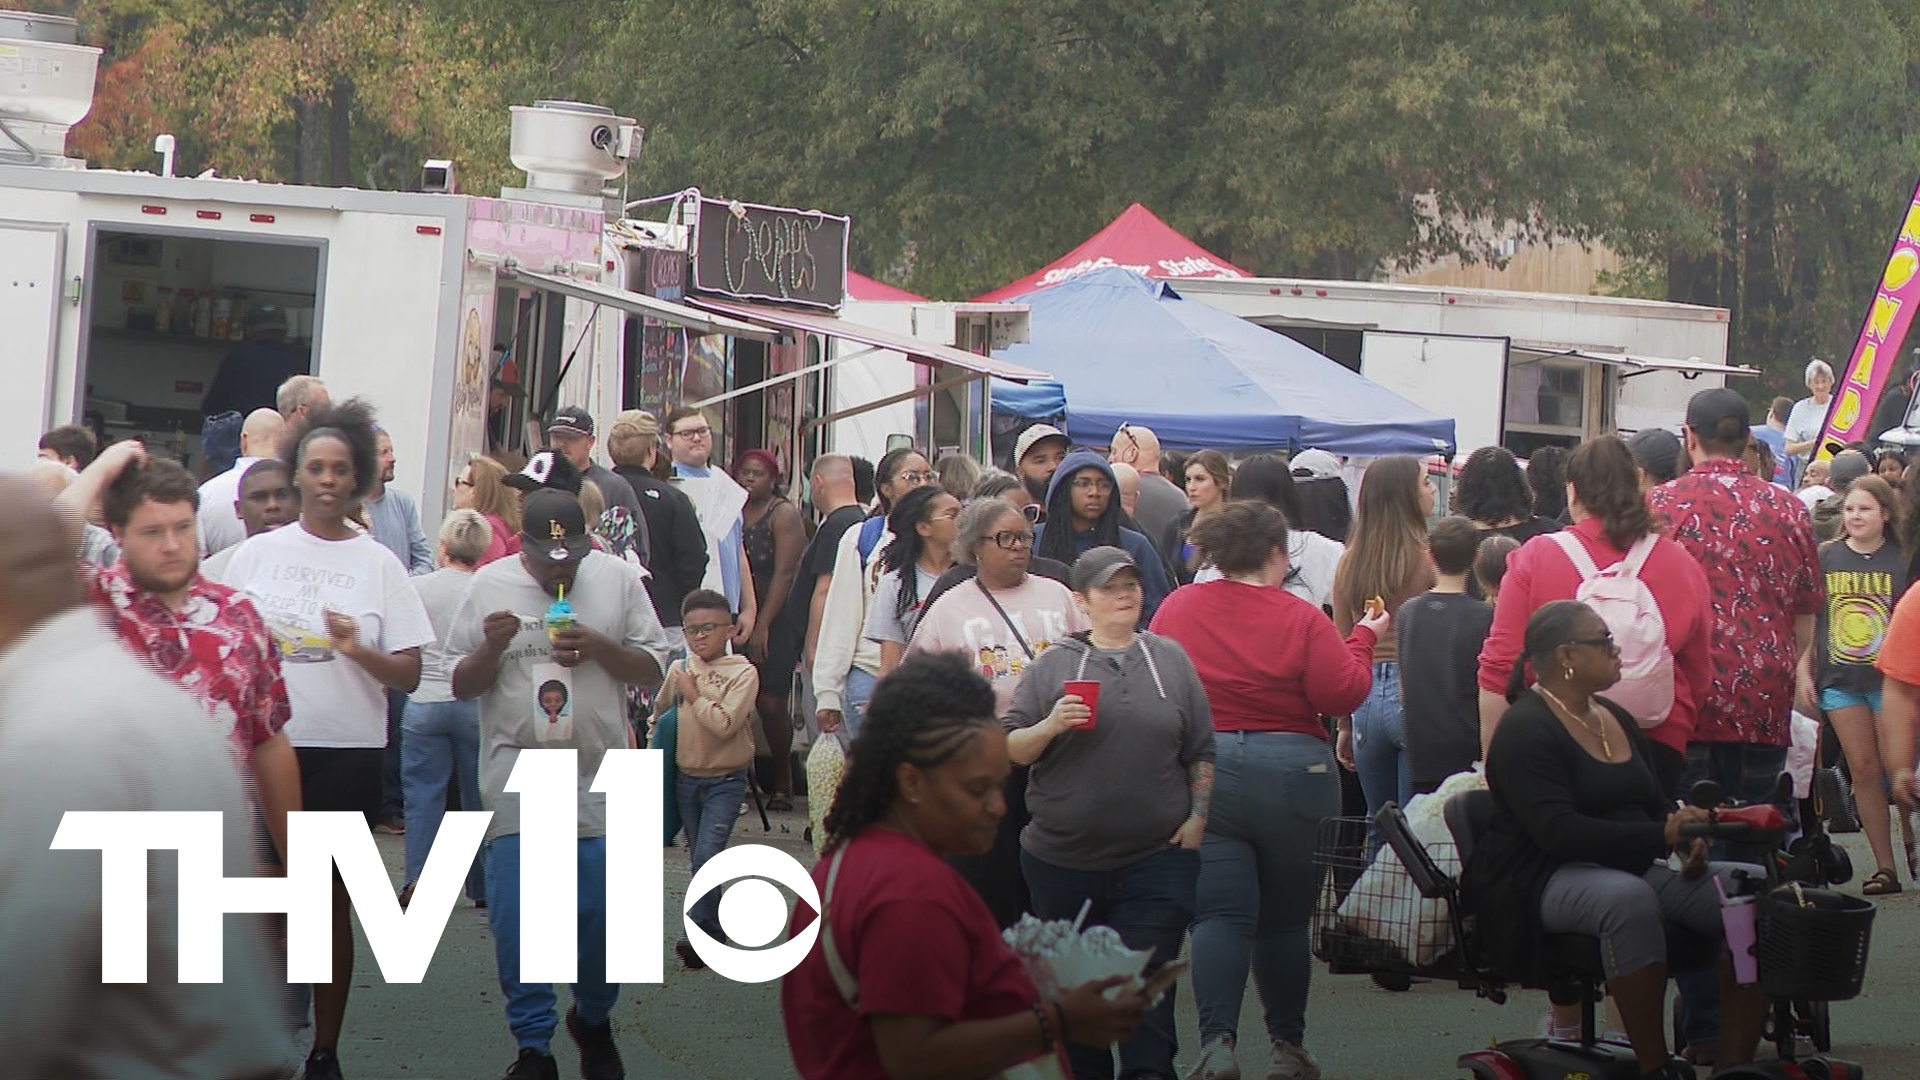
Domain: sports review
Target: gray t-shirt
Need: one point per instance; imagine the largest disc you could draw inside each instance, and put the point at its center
(1107, 798)
(884, 623)
(536, 704)
(1160, 505)
(442, 591)
(89, 728)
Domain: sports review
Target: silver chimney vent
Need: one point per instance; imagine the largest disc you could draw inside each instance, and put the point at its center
(571, 151)
(46, 87)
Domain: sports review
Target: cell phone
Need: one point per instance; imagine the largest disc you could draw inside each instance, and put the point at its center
(1164, 979)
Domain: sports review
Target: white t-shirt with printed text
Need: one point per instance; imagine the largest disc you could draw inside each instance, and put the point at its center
(294, 578)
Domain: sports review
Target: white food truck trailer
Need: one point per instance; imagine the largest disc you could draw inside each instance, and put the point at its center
(121, 293)
(1522, 370)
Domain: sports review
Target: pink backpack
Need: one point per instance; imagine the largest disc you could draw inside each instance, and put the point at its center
(1633, 617)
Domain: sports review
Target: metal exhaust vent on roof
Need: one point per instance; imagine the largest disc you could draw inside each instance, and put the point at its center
(46, 87)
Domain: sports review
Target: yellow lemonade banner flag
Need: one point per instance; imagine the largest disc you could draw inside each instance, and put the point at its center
(1877, 353)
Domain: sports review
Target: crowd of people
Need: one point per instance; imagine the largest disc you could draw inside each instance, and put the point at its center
(1117, 683)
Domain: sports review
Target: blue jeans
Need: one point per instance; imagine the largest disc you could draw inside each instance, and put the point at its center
(1747, 774)
(531, 1007)
(1380, 744)
(392, 787)
(709, 806)
(1150, 904)
(1271, 791)
(854, 695)
(442, 748)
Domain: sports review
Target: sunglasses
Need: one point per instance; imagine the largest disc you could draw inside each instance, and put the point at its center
(1605, 642)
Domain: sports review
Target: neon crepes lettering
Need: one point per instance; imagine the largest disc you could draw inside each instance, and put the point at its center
(403, 943)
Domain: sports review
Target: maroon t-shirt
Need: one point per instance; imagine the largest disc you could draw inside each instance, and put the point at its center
(919, 942)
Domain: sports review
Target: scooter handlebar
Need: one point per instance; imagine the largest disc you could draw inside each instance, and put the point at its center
(1738, 822)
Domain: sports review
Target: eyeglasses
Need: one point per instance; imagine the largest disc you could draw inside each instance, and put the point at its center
(917, 478)
(693, 433)
(1093, 483)
(705, 628)
(1013, 541)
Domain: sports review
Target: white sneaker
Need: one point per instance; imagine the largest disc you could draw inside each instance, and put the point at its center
(1216, 1061)
(1291, 1062)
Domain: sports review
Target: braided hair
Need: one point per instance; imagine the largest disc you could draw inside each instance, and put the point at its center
(903, 554)
(923, 713)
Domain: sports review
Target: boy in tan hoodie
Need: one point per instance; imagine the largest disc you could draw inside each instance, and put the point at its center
(714, 691)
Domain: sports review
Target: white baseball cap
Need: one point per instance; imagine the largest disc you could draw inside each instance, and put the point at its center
(1314, 465)
(1033, 435)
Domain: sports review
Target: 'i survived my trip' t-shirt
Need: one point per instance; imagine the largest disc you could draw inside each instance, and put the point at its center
(295, 578)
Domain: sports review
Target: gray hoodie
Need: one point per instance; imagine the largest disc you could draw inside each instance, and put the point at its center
(1107, 798)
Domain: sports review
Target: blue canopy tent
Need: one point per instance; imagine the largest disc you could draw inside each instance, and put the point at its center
(1131, 350)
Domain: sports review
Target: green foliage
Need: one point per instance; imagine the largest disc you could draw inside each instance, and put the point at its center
(1745, 153)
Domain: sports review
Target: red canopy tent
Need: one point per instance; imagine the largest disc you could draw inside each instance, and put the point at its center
(1136, 240)
(862, 287)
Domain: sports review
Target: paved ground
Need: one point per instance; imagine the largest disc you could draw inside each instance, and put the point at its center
(699, 1026)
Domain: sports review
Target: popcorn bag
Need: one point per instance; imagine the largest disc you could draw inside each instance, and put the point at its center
(1059, 956)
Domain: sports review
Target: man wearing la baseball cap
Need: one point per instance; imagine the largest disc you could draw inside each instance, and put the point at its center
(511, 660)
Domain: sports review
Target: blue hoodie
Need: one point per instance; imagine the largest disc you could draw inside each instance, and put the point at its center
(1107, 531)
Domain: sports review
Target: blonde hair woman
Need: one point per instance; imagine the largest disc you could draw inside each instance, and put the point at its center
(482, 488)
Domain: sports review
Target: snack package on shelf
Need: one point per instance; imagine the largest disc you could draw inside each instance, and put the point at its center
(1060, 957)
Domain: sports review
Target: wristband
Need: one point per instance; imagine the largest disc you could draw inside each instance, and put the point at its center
(1047, 1035)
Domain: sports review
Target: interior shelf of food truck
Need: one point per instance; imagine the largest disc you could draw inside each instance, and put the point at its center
(163, 310)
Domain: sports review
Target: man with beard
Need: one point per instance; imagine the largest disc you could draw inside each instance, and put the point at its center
(264, 502)
(1037, 453)
(201, 635)
(393, 517)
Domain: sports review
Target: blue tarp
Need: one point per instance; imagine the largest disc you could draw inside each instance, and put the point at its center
(1131, 350)
(1036, 401)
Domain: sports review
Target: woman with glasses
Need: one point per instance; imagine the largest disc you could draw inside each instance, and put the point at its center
(1580, 835)
(1001, 621)
(923, 524)
(482, 488)
(1611, 520)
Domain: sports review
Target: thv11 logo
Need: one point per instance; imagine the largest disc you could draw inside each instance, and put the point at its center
(752, 911)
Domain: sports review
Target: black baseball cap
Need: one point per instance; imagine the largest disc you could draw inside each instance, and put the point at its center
(1096, 568)
(1712, 409)
(546, 469)
(1657, 450)
(572, 420)
(553, 527)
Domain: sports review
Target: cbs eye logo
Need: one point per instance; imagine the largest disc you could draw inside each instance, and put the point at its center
(752, 913)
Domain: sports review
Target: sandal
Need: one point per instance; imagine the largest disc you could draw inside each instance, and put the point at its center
(780, 804)
(1884, 882)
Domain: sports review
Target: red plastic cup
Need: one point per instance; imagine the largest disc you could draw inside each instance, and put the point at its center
(1088, 691)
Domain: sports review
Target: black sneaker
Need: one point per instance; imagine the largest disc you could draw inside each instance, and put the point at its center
(533, 1065)
(322, 1065)
(599, 1058)
(684, 950)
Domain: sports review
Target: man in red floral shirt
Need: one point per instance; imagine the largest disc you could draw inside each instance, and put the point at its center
(205, 637)
(1755, 541)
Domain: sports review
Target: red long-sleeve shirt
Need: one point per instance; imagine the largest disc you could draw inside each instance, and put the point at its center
(1540, 573)
(1269, 660)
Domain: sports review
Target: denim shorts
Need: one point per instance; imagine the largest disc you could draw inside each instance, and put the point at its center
(1835, 697)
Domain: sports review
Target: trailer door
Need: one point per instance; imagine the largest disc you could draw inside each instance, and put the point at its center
(31, 261)
(1461, 377)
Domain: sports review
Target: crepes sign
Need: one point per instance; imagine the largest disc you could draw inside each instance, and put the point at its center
(752, 252)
